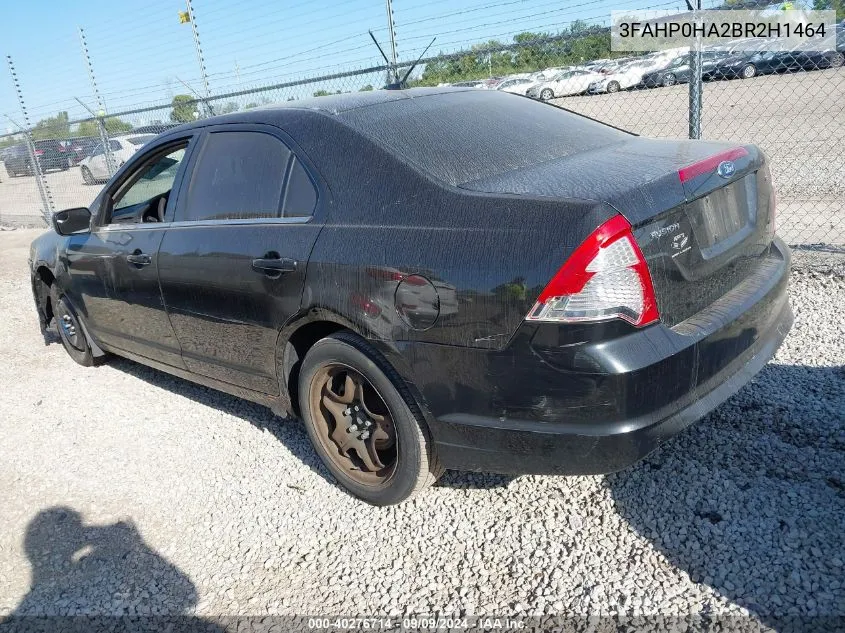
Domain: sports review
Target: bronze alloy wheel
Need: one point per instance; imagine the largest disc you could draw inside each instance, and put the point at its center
(353, 424)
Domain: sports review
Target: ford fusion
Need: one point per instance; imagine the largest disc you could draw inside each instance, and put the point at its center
(432, 279)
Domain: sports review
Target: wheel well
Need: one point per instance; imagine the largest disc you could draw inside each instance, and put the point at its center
(47, 279)
(295, 350)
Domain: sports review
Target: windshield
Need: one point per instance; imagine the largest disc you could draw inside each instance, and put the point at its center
(458, 138)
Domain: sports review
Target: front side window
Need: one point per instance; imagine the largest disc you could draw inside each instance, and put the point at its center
(152, 183)
(238, 175)
(115, 146)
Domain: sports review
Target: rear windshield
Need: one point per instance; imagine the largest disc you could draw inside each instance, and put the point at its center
(465, 136)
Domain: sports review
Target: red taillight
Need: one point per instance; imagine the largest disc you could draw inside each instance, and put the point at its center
(606, 277)
(39, 152)
(710, 164)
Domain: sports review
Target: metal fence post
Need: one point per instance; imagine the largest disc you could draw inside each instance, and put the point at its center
(695, 84)
(101, 124)
(43, 188)
(193, 19)
(394, 71)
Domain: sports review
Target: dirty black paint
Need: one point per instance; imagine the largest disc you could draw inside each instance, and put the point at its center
(434, 248)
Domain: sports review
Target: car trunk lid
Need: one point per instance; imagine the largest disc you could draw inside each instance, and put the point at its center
(702, 213)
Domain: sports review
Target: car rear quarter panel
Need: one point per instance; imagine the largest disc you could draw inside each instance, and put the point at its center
(486, 256)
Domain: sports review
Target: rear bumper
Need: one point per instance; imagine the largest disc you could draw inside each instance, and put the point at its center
(599, 407)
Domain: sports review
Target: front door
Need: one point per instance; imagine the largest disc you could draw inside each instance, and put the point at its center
(232, 267)
(121, 253)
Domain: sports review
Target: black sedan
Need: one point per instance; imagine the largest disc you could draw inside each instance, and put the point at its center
(751, 64)
(49, 154)
(432, 278)
(678, 71)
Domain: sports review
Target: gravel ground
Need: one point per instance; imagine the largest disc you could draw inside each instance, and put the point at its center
(125, 490)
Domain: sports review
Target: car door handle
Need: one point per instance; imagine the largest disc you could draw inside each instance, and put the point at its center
(139, 259)
(274, 265)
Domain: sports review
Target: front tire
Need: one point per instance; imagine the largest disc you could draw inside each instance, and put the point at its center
(613, 86)
(363, 422)
(836, 60)
(70, 331)
(546, 94)
(748, 71)
(669, 80)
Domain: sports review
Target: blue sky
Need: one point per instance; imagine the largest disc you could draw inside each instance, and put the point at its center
(140, 51)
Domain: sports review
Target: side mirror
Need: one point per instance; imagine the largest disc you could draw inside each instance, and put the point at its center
(72, 221)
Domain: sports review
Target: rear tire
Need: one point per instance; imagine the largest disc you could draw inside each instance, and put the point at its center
(669, 80)
(748, 71)
(546, 94)
(70, 331)
(836, 60)
(376, 442)
(613, 86)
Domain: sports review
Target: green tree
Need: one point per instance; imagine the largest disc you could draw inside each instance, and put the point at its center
(113, 126)
(831, 5)
(366, 88)
(52, 127)
(322, 93)
(183, 108)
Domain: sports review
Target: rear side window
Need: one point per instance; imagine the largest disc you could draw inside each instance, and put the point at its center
(300, 195)
(115, 146)
(238, 175)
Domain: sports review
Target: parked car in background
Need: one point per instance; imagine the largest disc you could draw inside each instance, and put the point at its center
(678, 71)
(569, 82)
(626, 76)
(50, 155)
(597, 311)
(95, 167)
(79, 148)
(750, 64)
(516, 85)
(154, 128)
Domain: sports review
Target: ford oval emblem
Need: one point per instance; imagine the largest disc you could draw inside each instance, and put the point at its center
(726, 168)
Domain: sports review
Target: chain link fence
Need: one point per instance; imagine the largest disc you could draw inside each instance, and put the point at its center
(793, 108)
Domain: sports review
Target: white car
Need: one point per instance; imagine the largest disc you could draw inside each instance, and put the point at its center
(516, 85)
(570, 82)
(95, 167)
(626, 77)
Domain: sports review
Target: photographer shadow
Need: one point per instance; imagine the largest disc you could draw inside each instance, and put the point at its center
(88, 578)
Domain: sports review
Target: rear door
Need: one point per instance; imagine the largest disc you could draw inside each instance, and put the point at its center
(232, 266)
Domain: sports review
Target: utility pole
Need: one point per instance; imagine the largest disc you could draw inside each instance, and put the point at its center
(100, 116)
(43, 188)
(200, 57)
(394, 74)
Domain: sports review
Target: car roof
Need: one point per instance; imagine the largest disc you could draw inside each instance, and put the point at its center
(330, 104)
